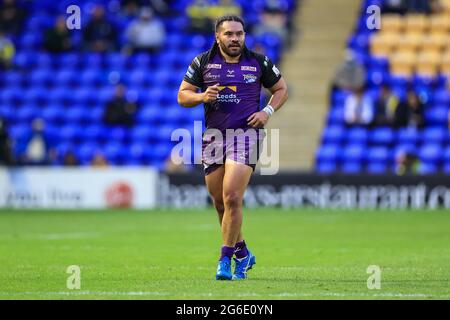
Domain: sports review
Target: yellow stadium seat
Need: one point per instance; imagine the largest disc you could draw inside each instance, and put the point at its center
(382, 44)
(439, 23)
(445, 63)
(428, 62)
(391, 23)
(434, 42)
(416, 23)
(402, 63)
(409, 41)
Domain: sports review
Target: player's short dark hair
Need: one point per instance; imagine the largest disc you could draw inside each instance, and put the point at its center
(222, 19)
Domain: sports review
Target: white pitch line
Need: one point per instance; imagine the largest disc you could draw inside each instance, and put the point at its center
(242, 295)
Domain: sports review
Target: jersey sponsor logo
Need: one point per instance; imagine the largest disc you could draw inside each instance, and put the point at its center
(248, 68)
(230, 73)
(214, 66)
(249, 78)
(276, 71)
(209, 75)
(228, 97)
(232, 88)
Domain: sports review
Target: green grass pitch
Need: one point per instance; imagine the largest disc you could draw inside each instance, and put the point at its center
(172, 254)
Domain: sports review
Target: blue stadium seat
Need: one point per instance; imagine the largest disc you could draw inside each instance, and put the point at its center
(327, 152)
(86, 151)
(377, 168)
(71, 133)
(336, 116)
(435, 135)
(333, 134)
(407, 135)
(378, 155)
(357, 135)
(115, 152)
(353, 153)
(426, 168)
(382, 136)
(53, 114)
(95, 133)
(431, 153)
(437, 115)
(326, 167)
(442, 97)
(150, 116)
(351, 167)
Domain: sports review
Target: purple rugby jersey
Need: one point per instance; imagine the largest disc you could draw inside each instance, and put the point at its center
(239, 85)
(239, 97)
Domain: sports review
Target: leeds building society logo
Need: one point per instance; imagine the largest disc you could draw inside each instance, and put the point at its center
(249, 78)
(228, 97)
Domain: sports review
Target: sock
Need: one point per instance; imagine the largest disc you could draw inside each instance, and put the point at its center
(240, 249)
(227, 252)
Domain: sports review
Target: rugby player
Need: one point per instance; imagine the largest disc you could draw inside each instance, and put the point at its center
(227, 79)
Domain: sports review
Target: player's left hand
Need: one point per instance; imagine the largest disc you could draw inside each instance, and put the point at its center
(258, 119)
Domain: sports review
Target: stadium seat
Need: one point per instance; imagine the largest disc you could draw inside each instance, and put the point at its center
(378, 155)
(353, 153)
(431, 153)
(436, 135)
(351, 167)
(377, 168)
(327, 152)
(407, 136)
(382, 136)
(326, 167)
(333, 134)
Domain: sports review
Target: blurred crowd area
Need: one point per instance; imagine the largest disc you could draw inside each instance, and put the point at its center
(105, 94)
(390, 99)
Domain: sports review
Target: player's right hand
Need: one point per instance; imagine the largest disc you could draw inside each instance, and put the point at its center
(211, 94)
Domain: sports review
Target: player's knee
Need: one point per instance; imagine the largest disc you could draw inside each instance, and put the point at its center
(220, 207)
(232, 200)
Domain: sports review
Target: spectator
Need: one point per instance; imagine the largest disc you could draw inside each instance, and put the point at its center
(386, 106)
(70, 159)
(11, 17)
(350, 75)
(160, 7)
(37, 147)
(146, 33)
(7, 51)
(224, 8)
(6, 157)
(99, 160)
(410, 113)
(120, 111)
(58, 39)
(273, 21)
(100, 34)
(407, 162)
(412, 6)
(199, 15)
(358, 109)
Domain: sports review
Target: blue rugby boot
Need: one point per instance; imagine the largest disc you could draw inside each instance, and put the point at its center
(224, 269)
(243, 265)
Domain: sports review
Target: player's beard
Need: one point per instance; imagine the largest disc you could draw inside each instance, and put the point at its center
(231, 51)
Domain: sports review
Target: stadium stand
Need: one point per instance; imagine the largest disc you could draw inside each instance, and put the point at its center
(69, 90)
(411, 51)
